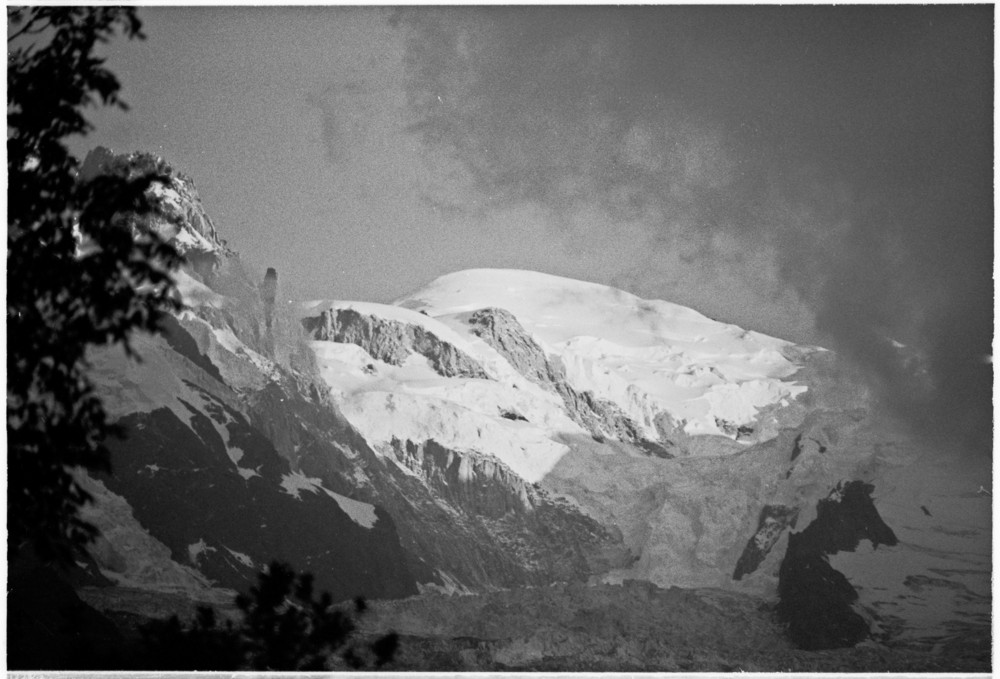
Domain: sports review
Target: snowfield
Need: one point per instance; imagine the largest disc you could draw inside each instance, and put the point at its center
(361, 513)
(414, 402)
(648, 358)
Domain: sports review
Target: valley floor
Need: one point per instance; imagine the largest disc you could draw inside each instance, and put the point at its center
(602, 628)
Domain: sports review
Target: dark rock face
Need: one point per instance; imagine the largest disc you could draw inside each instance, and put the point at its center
(773, 521)
(678, 442)
(502, 331)
(845, 518)
(463, 520)
(797, 448)
(479, 485)
(268, 293)
(815, 600)
(474, 519)
(181, 341)
(229, 519)
(602, 418)
(392, 341)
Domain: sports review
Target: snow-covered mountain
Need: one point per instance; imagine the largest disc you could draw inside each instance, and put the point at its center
(654, 360)
(530, 358)
(504, 428)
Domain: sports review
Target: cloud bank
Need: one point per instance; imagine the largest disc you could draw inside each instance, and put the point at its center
(836, 161)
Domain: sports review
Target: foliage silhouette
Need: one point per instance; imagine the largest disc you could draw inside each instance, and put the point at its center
(284, 627)
(81, 270)
(86, 267)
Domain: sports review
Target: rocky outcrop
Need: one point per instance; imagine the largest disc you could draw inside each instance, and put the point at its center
(602, 418)
(181, 341)
(179, 216)
(216, 493)
(502, 331)
(482, 525)
(392, 341)
(815, 599)
(773, 522)
(697, 521)
(681, 444)
(480, 485)
(268, 292)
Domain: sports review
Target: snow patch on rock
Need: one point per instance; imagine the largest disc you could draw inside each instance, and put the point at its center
(296, 482)
(241, 557)
(234, 452)
(196, 549)
(361, 513)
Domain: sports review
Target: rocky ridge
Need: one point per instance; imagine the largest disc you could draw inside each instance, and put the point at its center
(601, 417)
(180, 216)
(391, 341)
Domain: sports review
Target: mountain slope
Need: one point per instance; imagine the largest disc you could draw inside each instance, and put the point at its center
(235, 455)
(500, 429)
(707, 446)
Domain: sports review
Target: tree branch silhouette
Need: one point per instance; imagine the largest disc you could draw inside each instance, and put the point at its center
(63, 300)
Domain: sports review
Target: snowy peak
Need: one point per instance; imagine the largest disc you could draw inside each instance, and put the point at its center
(506, 364)
(650, 357)
(556, 309)
(180, 216)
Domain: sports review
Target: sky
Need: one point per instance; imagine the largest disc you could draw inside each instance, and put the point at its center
(822, 174)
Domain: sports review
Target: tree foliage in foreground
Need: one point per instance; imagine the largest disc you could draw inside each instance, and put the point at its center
(80, 271)
(284, 627)
(85, 270)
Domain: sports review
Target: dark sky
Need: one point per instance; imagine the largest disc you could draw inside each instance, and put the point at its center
(819, 173)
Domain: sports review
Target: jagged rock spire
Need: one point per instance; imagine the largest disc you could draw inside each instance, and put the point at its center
(269, 291)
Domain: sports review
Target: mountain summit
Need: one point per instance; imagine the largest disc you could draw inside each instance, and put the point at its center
(500, 429)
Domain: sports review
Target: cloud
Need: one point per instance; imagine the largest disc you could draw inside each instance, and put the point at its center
(834, 163)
